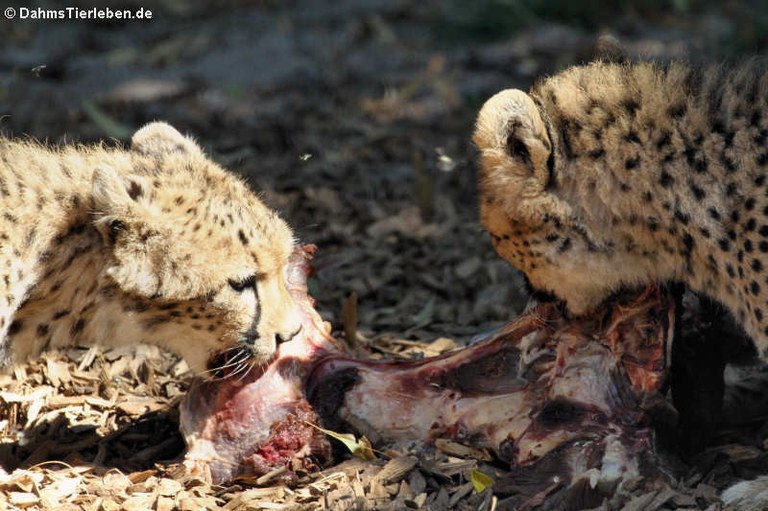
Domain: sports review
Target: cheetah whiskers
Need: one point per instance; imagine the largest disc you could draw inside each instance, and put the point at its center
(251, 364)
(234, 357)
(242, 369)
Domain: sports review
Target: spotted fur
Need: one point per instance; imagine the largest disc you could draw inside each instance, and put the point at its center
(612, 175)
(153, 244)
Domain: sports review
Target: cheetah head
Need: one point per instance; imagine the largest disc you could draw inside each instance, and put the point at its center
(197, 260)
(527, 205)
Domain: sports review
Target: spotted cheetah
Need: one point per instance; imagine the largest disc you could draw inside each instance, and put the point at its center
(155, 243)
(611, 175)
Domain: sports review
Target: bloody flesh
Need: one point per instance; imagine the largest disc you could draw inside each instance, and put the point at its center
(549, 395)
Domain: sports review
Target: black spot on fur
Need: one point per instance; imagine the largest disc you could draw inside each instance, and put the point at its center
(682, 217)
(565, 137)
(666, 180)
(596, 154)
(60, 314)
(134, 190)
(243, 237)
(688, 243)
(697, 192)
(15, 327)
(729, 165)
(678, 110)
(632, 137)
(632, 106)
(77, 327)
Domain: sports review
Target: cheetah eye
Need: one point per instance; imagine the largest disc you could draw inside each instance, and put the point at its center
(243, 284)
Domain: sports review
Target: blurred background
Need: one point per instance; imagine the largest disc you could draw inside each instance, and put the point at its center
(352, 117)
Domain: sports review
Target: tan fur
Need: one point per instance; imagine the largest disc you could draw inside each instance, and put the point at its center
(609, 175)
(122, 246)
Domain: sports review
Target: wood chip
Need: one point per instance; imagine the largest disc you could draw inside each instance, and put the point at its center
(349, 320)
(271, 475)
(138, 503)
(168, 487)
(396, 469)
(23, 499)
(461, 451)
(88, 358)
(165, 504)
(461, 492)
(140, 477)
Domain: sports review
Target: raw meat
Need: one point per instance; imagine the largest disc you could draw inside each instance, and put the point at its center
(565, 402)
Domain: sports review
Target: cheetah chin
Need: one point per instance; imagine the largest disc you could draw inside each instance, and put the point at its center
(155, 244)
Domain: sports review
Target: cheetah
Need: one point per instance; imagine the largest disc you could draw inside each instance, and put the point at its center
(154, 244)
(613, 175)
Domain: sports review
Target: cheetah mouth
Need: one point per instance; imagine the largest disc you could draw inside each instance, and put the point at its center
(235, 362)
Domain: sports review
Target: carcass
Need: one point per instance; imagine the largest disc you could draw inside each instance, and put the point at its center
(565, 402)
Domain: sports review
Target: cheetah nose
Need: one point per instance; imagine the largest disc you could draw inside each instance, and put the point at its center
(280, 338)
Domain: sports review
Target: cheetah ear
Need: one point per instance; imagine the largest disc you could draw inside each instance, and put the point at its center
(511, 134)
(608, 48)
(159, 139)
(115, 193)
(116, 201)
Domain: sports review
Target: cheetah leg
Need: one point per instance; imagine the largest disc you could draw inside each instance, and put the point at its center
(702, 349)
